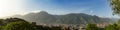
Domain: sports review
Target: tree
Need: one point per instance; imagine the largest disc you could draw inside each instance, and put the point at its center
(115, 4)
(92, 27)
(1, 21)
(20, 25)
(112, 27)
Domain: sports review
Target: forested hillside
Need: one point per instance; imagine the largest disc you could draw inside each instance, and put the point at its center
(72, 18)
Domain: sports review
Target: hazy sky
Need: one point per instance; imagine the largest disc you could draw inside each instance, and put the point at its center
(92, 7)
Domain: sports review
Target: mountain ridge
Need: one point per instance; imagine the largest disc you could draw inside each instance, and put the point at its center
(72, 18)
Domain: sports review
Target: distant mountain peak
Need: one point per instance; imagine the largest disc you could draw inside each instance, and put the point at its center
(43, 12)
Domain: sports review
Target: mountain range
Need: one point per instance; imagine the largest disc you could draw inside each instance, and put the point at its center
(72, 18)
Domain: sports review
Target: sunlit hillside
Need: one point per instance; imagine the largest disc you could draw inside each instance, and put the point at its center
(59, 14)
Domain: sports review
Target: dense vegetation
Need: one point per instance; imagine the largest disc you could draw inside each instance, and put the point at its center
(16, 24)
(115, 26)
(20, 25)
(92, 27)
(115, 4)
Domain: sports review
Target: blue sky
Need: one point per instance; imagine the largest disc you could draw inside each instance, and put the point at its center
(59, 7)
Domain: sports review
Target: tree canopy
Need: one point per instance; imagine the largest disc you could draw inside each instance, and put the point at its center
(20, 25)
(92, 27)
(112, 27)
(115, 4)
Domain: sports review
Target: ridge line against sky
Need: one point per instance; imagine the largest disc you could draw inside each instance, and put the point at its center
(92, 7)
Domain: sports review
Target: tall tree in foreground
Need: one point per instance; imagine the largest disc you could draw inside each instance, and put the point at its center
(115, 4)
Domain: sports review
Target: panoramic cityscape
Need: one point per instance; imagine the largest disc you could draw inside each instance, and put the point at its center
(59, 14)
